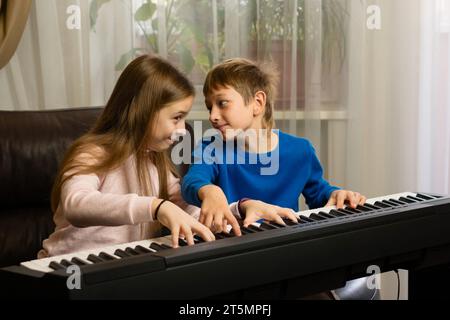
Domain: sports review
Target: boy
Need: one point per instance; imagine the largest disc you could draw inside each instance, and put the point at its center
(239, 95)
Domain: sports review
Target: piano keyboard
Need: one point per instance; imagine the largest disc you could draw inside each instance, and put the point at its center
(310, 217)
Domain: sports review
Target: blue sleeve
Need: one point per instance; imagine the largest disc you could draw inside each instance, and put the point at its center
(317, 190)
(203, 171)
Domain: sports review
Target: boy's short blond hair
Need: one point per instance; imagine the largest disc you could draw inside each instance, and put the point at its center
(247, 78)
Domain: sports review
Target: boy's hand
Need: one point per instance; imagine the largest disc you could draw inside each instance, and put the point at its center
(215, 212)
(255, 210)
(180, 223)
(339, 197)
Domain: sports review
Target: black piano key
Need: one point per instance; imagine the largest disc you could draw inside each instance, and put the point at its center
(316, 217)
(94, 259)
(198, 239)
(248, 230)
(131, 251)
(156, 247)
(415, 198)
(424, 197)
(371, 206)
(66, 263)
(352, 210)
(390, 203)
(363, 208)
(219, 236)
(255, 228)
(106, 256)
(400, 203)
(165, 246)
(182, 242)
(78, 261)
(289, 222)
(325, 215)
(301, 221)
(57, 265)
(337, 213)
(346, 211)
(406, 200)
(265, 226)
(306, 219)
(141, 249)
(122, 254)
(383, 205)
(273, 223)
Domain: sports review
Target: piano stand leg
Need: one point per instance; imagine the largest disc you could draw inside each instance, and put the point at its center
(429, 284)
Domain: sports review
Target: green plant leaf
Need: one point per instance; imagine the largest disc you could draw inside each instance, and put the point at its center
(145, 12)
(94, 9)
(187, 60)
(126, 58)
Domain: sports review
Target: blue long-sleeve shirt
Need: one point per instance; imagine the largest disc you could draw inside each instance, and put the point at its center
(277, 177)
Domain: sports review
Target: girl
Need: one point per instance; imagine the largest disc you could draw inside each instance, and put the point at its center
(116, 183)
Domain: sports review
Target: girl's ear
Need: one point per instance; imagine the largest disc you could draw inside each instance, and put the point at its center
(260, 103)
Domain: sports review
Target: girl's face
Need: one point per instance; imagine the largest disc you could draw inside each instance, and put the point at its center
(229, 114)
(169, 124)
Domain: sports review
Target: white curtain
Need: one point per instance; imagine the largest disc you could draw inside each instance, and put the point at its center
(374, 103)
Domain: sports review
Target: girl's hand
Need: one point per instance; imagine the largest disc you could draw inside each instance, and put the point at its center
(215, 212)
(339, 197)
(255, 210)
(181, 223)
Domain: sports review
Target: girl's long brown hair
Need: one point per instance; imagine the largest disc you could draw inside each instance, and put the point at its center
(147, 85)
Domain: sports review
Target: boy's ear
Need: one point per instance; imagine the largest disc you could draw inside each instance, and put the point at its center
(260, 102)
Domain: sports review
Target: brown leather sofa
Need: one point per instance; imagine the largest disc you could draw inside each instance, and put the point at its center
(32, 144)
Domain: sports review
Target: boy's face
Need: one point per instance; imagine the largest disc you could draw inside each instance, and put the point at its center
(229, 114)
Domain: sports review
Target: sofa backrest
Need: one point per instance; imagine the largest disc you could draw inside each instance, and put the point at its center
(32, 145)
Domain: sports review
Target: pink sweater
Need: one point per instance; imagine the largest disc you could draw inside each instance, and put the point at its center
(98, 211)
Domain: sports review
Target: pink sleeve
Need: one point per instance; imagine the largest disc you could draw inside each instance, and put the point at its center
(84, 205)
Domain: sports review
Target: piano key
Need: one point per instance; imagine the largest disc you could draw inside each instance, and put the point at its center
(402, 203)
(78, 261)
(346, 211)
(352, 210)
(247, 230)
(325, 215)
(131, 251)
(338, 214)
(424, 197)
(121, 253)
(56, 266)
(407, 200)
(307, 219)
(275, 224)
(255, 228)
(267, 226)
(106, 256)
(156, 247)
(383, 205)
(142, 249)
(66, 263)
(316, 217)
(198, 239)
(371, 206)
(94, 258)
(390, 203)
(363, 208)
(415, 198)
(289, 222)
